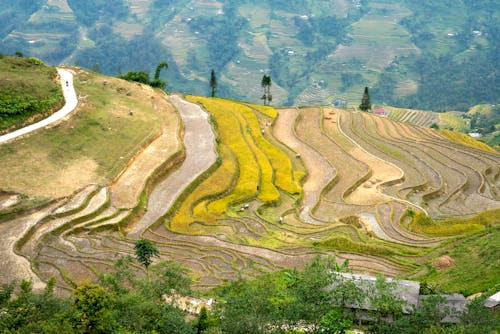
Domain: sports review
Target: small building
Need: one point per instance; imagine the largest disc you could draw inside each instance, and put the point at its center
(456, 304)
(340, 103)
(380, 112)
(475, 135)
(409, 293)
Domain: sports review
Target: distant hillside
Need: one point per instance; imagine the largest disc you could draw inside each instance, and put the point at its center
(29, 90)
(315, 51)
(481, 121)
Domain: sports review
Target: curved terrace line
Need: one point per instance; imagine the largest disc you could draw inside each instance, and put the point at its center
(199, 142)
(385, 161)
(320, 171)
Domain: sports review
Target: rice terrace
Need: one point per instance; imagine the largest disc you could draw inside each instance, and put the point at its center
(232, 189)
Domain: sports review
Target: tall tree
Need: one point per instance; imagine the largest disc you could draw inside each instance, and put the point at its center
(144, 252)
(365, 101)
(213, 82)
(266, 88)
(157, 82)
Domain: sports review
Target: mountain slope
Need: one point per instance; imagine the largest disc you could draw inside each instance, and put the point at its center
(316, 51)
(285, 185)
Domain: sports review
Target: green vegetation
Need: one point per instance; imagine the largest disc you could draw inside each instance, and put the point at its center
(343, 243)
(250, 200)
(474, 265)
(266, 88)
(365, 101)
(97, 142)
(144, 252)
(213, 83)
(453, 121)
(123, 301)
(313, 50)
(143, 76)
(484, 118)
(92, 10)
(467, 140)
(454, 226)
(317, 297)
(29, 91)
(459, 52)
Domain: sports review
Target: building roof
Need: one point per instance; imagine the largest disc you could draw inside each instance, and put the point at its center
(407, 291)
(456, 303)
(492, 301)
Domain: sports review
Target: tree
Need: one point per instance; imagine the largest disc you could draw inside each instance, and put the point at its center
(479, 319)
(203, 321)
(312, 294)
(93, 304)
(365, 101)
(332, 323)
(137, 76)
(157, 82)
(266, 87)
(213, 82)
(384, 301)
(144, 252)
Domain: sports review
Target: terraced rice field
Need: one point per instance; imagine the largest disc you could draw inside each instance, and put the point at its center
(234, 189)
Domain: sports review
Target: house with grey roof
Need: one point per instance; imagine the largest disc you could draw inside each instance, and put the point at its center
(403, 290)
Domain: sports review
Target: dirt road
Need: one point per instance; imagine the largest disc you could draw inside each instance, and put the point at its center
(199, 143)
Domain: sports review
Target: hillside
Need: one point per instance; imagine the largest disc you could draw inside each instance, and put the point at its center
(234, 189)
(481, 121)
(316, 52)
(29, 91)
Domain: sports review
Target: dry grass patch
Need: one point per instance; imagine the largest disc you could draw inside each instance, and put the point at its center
(92, 146)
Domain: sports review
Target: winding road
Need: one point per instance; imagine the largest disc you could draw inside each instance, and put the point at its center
(71, 102)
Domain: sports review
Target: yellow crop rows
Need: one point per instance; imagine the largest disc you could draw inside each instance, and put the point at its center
(464, 139)
(194, 207)
(259, 167)
(266, 110)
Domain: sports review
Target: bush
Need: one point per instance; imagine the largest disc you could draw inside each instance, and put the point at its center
(35, 61)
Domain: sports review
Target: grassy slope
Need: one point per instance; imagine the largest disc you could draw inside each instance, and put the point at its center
(476, 265)
(92, 146)
(22, 80)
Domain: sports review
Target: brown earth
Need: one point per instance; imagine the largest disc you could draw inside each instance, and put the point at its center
(126, 188)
